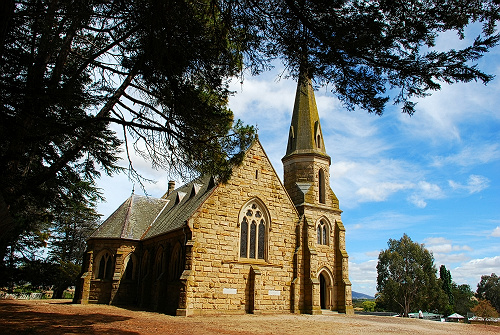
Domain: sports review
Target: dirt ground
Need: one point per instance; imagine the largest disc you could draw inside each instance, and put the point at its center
(56, 317)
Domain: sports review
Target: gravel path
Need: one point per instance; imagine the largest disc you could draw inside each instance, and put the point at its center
(56, 317)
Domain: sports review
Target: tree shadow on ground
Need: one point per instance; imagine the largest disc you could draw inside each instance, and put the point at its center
(19, 319)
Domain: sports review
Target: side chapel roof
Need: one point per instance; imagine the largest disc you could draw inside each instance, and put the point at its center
(182, 203)
(131, 219)
(141, 217)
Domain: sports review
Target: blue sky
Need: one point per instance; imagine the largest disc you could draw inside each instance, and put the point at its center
(434, 176)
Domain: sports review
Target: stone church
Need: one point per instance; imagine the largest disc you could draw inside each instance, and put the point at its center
(251, 245)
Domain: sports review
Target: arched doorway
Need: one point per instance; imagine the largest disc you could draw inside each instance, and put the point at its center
(325, 289)
(322, 291)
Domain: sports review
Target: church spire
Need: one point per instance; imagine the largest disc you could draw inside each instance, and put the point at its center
(305, 136)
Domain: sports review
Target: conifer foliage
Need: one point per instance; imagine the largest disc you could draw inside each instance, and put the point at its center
(73, 72)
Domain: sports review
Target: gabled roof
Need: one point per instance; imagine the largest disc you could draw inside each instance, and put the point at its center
(183, 202)
(141, 217)
(132, 218)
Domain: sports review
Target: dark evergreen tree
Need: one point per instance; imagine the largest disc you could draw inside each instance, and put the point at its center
(370, 52)
(72, 226)
(160, 69)
(69, 68)
(446, 283)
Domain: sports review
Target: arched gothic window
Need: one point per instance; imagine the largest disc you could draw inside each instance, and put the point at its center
(145, 264)
(130, 270)
(176, 266)
(158, 265)
(322, 233)
(321, 184)
(254, 221)
(105, 266)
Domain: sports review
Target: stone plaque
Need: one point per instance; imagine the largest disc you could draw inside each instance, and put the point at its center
(226, 290)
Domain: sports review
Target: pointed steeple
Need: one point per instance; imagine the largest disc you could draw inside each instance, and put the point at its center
(305, 136)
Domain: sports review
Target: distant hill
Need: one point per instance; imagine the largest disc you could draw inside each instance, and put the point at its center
(357, 295)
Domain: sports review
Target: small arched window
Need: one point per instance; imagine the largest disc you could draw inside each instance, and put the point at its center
(322, 233)
(254, 222)
(321, 186)
(105, 266)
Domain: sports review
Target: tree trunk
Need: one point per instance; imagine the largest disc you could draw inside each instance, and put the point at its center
(58, 292)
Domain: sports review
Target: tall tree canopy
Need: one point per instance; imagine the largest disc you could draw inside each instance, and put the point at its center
(160, 70)
(446, 283)
(489, 289)
(406, 278)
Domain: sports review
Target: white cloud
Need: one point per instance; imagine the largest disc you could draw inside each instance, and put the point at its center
(446, 252)
(443, 245)
(472, 271)
(373, 253)
(424, 190)
(378, 225)
(448, 258)
(370, 180)
(496, 232)
(363, 276)
(379, 191)
(441, 117)
(474, 184)
(417, 201)
(265, 103)
(470, 156)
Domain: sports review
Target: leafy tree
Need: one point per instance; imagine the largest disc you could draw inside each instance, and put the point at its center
(463, 298)
(485, 310)
(159, 70)
(369, 306)
(489, 289)
(406, 278)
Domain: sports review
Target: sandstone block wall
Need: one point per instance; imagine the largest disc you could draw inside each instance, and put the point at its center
(224, 282)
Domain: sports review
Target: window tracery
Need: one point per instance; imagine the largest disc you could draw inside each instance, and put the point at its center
(105, 266)
(322, 233)
(253, 230)
(130, 269)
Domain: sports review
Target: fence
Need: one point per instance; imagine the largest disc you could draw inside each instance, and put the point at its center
(22, 296)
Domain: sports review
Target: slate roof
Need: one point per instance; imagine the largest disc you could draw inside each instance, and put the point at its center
(182, 203)
(132, 218)
(141, 217)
